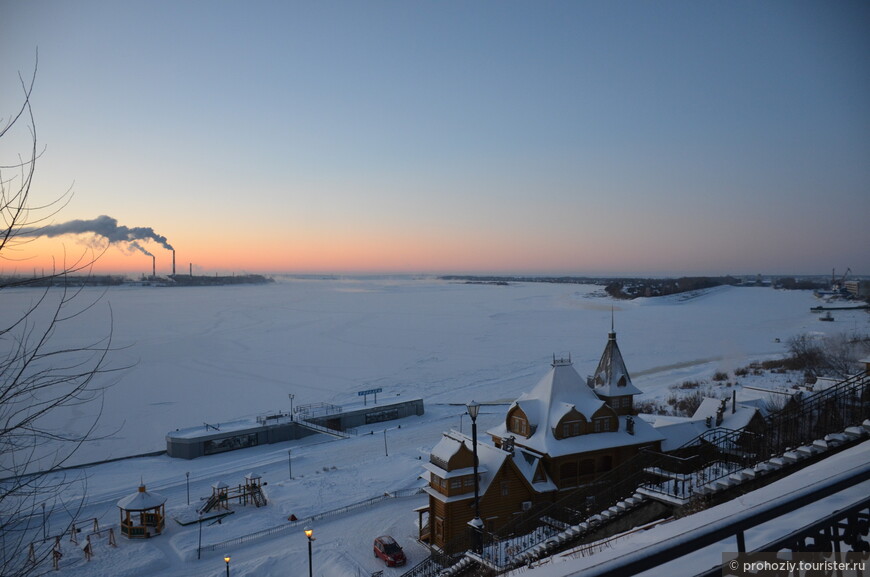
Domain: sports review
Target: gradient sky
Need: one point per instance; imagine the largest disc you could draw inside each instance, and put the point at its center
(525, 137)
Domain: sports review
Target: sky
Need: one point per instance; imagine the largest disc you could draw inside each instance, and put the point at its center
(633, 138)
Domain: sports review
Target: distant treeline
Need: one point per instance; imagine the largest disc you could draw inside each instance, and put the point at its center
(634, 288)
(115, 280)
(62, 280)
(620, 288)
(185, 280)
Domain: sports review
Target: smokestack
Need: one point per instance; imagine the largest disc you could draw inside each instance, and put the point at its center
(173, 262)
(153, 266)
(191, 269)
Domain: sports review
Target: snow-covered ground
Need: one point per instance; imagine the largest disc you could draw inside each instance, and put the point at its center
(215, 354)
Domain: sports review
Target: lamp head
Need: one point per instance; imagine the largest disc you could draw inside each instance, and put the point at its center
(309, 532)
(473, 409)
(227, 559)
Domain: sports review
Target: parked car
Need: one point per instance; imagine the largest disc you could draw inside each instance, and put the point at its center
(387, 549)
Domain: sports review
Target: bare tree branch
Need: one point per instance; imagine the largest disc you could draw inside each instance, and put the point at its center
(40, 377)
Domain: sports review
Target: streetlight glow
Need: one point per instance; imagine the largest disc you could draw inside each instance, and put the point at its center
(309, 533)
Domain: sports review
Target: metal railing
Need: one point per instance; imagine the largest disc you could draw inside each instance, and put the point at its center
(710, 457)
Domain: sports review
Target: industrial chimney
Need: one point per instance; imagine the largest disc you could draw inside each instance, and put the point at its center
(173, 262)
(153, 266)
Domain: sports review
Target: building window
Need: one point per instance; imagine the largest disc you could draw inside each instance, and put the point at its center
(520, 426)
(469, 481)
(568, 472)
(455, 483)
(605, 463)
(505, 488)
(602, 425)
(587, 466)
(571, 429)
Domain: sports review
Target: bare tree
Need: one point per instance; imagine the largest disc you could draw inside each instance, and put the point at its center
(41, 375)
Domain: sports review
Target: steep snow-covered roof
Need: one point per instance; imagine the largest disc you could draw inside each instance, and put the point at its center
(611, 378)
(558, 392)
(527, 464)
(446, 448)
(490, 460)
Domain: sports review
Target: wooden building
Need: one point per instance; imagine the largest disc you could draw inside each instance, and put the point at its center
(561, 435)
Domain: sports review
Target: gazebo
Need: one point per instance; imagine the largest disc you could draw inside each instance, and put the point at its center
(142, 514)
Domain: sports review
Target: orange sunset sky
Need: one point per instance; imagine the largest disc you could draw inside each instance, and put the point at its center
(582, 138)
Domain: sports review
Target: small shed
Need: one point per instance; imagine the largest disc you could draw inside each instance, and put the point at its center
(142, 514)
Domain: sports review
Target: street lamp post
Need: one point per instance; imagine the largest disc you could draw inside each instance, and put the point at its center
(187, 474)
(227, 559)
(291, 395)
(386, 452)
(476, 523)
(44, 537)
(290, 462)
(199, 546)
(309, 533)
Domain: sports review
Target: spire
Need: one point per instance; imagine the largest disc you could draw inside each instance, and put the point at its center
(611, 378)
(612, 335)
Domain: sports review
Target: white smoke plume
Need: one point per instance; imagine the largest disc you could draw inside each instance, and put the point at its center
(104, 226)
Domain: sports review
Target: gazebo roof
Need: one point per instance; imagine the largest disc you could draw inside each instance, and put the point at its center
(141, 500)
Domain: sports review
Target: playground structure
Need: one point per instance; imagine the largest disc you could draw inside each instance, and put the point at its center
(85, 545)
(222, 494)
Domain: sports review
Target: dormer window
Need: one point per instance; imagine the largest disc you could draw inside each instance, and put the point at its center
(519, 425)
(602, 425)
(572, 429)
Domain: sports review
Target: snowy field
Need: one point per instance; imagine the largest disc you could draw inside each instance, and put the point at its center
(216, 354)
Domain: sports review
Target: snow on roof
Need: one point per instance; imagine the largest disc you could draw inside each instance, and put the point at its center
(611, 378)
(527, 464)
(141, 500)
(736, 420)
(559, 391)
(549, 445)
(490, 460)
(679, 433)
(446, 448)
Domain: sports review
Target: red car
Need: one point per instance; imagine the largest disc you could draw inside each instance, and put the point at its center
(387, 549)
